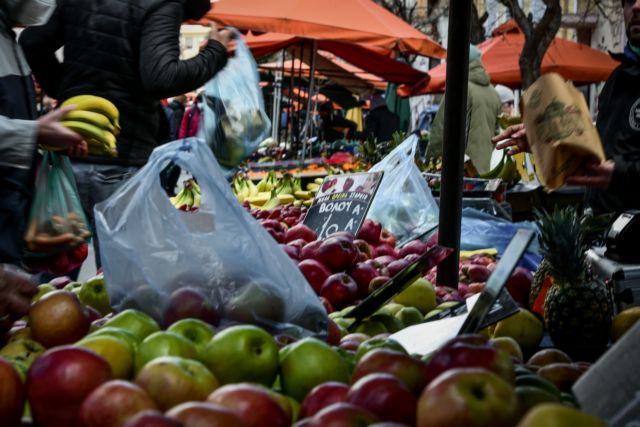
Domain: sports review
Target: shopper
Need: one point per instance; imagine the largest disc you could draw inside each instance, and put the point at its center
(127, 51)
(612, 183)
(507, 99)
(191, 119)
(333, 126)
(175, 112)
(20, 132)
(380, 123)
(16, 291)
(483, 108)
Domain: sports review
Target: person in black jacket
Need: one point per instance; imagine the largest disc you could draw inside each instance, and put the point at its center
(128, 52)
(380, 122)
(611, 184)
(334, 127)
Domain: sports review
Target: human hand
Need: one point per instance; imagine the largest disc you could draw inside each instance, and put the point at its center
(52, 133)
(16, 291)
(223, 36)
(514, 136)
(599, 175)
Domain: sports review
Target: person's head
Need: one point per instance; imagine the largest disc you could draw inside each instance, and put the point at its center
(631, 10)
(196, 9)
(377, 101)
(181, 99)
(506, 98)
(325, 110)
(28, 12)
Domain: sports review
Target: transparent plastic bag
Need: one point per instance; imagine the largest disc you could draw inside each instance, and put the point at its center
(403, 204)
(150, 249)
(57, 231)
(234, 120)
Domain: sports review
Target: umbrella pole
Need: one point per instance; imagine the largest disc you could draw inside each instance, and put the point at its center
(307, 124)
(277, 98)
(454, 135)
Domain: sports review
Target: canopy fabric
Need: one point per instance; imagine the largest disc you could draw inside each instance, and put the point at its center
(500, 55)
(350, 21)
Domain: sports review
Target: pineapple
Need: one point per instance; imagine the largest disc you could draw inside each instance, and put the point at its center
(538, 280)
(577, 309)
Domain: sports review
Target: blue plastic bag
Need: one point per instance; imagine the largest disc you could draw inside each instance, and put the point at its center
(150, 249)
(234, 120)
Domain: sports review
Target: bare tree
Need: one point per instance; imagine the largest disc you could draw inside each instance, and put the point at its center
(537, 36)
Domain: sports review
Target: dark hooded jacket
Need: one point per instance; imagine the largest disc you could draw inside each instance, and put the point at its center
(618, 124)
(128, 52)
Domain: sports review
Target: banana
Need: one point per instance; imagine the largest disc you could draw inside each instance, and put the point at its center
(98, 148)
(509, 172)
(318, 181)
(285, 199)
(91, 132)
(273, 202)
(307, 203)
(253, 189)
(297, 184)
(196, 200)
(284, 185)
(297, 203)
(495, 172)
(96, 119)
(258, 200)
(505, 121)
(313, 187)
(303, 195)
(96, 104)
(264, 185)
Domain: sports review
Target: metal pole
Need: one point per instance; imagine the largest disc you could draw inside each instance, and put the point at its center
(312, 81)
(454, 138)
(277, 98)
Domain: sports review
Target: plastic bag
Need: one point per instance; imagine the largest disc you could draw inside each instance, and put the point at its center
(150, 249)
(57, 231)
(403, 204)
(234, 121)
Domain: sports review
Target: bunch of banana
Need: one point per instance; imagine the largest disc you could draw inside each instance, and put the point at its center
(97, 120)
(244, 188)
(506, 170)
(268, 182)
(188, 199)
(287, 189)
(505, 121)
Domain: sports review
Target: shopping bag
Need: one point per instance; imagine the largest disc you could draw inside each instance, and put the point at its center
(57, 232)
(234, 120)
(560, 131)
(403, 203)
(152, 251)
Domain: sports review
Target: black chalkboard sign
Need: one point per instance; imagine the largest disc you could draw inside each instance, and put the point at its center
(342, 203)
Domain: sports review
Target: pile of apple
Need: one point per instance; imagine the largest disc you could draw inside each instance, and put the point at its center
(124, 370)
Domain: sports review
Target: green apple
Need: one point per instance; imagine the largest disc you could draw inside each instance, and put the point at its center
(118, 333)
(163, 343)
(172, 380)
(371, 327)
(136, 322)
(116, 351)
(524, 327)
(433, 313)
(390, 322)
(556, 414)
(93, 293)
(43, 289)
(391, 308)
(509, 345)
(195, 330)
(310, 362)
(419, 294)
(409, 316)
(73, 287)
(243, 353)
(374, 343)
(343, 322)
(447, 304)
(530, 396)
(24, 349)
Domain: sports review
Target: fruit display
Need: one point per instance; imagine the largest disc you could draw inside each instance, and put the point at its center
(272, 191)
(96, 119)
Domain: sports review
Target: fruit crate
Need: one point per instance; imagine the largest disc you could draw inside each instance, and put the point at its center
(471, 187)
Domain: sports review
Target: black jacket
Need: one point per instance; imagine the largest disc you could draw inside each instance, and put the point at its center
(619, 127)
(175, 112)
(126, 51)
(381, 124)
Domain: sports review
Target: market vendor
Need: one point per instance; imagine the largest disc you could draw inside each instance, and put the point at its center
(380, 123)
(612, 183)
(334, 127)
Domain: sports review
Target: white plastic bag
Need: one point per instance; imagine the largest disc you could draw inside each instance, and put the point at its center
(234, 120)
(150, 249)
(403, 204)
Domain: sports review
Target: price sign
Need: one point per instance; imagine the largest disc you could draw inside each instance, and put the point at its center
(342, 203)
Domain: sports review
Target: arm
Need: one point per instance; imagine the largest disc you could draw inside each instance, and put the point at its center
(40, 45)
(16, 291)
(163, 73)
(18, 139)
(434, 149)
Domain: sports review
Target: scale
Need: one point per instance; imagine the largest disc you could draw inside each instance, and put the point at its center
(623, 237)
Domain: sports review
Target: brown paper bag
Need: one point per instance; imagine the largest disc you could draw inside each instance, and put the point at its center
(559, 129)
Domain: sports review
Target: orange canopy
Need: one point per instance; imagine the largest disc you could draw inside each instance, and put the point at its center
(350, 21)
(500, 55)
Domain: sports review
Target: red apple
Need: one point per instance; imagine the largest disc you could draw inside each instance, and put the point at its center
(352, 341)
(252, 403)
(397, 266)
(388, 237)
(385, 396)
(385, 260)
(475, 288)
(58, 382)
(340, 289)
(315, 272)
(411, 371)
(472, 397)
(92, 314)
(380, 267)
(363, 273)
(519, 285)
(300, 231)
(152, 419)
(297, 243)
(58, 318)
(187, 303)
(385, 249)
(377, 282)
(365, 250)
(292, 251)
(201, 414)
(413, 247)
(274, 225)
(113, 403)
(470, 351)
(310, 250)
(478, 273)
(342, 234)
(322, 396)
(337, 253)
(370, 231)
(326, 304)
(12, 394)
(278, 236)
(343, 415)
